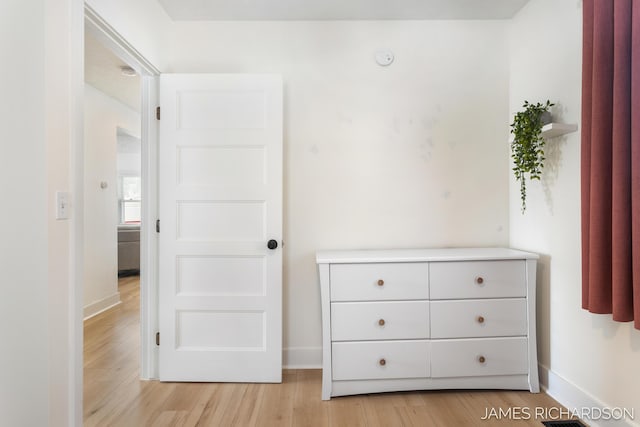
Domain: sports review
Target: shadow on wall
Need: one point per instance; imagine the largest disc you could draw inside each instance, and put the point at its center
(634, 337)
(543, 302)
(553, 159)
(610, 329)
(553, 162)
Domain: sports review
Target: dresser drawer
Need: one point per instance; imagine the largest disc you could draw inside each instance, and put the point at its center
(379, 281)
(479, 357)
(479, 318)
(380, 359)
(477, 279)
(351, 321)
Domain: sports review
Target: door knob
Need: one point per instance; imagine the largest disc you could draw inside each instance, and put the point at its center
(272, 244)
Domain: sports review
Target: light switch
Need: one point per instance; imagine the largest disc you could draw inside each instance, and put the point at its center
(62, 205)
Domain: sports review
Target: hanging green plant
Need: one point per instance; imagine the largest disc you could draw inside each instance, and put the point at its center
(527, 147)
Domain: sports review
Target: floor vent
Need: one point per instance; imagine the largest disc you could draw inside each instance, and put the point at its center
(565, 423)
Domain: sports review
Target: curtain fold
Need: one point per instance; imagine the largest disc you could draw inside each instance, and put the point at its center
(610, 158)
(635, 157)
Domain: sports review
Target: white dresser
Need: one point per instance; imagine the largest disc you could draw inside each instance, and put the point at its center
(422, 319)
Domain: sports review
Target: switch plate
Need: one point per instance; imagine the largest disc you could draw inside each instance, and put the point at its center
(62, 205)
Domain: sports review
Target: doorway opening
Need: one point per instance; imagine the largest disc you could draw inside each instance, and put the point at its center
(129, 195)
(120, 125)
(112, 175)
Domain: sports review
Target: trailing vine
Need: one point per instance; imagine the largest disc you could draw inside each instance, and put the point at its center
(527, 147)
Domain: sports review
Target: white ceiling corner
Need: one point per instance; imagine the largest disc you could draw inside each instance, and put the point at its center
(277, 10)
(102, 67)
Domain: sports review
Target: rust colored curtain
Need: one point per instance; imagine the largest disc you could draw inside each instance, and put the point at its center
(610, 159)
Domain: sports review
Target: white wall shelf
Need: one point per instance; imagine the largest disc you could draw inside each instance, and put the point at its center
(552, 130)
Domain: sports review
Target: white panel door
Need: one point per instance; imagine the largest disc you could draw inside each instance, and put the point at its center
(220, 204)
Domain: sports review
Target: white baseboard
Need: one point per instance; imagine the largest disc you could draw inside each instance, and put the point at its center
(302, 358)
(572, 397)
(99, 306)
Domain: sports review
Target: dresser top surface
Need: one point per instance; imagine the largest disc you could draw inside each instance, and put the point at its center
(420, 255)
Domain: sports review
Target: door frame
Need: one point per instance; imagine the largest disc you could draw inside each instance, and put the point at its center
(149, 76)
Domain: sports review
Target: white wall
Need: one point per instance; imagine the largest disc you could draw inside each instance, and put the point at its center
(129, 155)
(411, 155)
(589, 356)
(38, 367)
(103, 116)
(23, 246)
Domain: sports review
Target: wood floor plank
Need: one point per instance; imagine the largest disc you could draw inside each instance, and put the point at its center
(308, 409)
(277, 404)
(115, 396)
(347, 411)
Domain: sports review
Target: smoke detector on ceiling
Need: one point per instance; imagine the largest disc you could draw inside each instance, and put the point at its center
(384, 57)
(128, 71)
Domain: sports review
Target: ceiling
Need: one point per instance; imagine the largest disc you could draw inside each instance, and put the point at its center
(103, 70)
(127, 143)
(267, 10)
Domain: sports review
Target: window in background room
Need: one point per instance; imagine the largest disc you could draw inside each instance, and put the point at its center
(129, 199)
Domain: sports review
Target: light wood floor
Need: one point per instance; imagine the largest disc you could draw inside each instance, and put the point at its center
(114, 395)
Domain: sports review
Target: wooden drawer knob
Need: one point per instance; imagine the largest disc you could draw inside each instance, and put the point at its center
(381, 322)
(480, 319)
(382, 362)
(479, 280)
(380, 282)
(481, 359)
